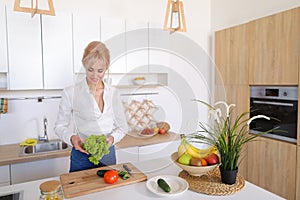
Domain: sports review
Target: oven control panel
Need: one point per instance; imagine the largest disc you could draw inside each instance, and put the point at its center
(282, 92)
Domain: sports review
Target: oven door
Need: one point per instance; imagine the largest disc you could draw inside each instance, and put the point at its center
(283, 114)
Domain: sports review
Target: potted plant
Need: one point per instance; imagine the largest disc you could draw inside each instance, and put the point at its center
(228, 134)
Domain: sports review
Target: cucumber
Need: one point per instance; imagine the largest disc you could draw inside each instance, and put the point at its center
(124, 175)
(101, 172)
(163, 185)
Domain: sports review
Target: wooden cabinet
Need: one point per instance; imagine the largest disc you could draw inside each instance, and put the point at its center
(231, 55)
(231, 74)
(274, 49)
(261, 52)
(25, 51)
(272, 166)
(4, 175)
(3, 40)
(86, 28)
(36, 170)
(298, 174)
(238, 95)
(57, 51)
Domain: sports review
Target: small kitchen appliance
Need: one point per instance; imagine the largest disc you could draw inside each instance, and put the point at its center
(281, 105)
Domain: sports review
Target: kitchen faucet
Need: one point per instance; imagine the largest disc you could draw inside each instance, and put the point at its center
(45, 137)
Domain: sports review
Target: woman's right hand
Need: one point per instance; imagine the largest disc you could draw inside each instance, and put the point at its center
(77, 143)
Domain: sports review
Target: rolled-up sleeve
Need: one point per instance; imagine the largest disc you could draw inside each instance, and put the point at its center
(62, 124)
(120, 126)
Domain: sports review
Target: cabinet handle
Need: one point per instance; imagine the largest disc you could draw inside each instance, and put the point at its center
(274, 103)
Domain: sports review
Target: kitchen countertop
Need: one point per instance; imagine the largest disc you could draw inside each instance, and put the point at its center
(133, 140)
(162, 166)
(9, 154)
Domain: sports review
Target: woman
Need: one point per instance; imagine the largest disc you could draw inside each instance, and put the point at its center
(94, 107)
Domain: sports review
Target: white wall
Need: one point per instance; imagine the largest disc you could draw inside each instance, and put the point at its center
(227, 13)
(25, 120)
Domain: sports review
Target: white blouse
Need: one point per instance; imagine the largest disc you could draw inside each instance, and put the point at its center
(79, 104)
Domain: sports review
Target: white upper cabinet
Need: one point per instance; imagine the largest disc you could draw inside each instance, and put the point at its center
(113, 35)
(24, 51)
(86, 28)
(3, 46)
(57, 51)
(159, 49)
(137, 47)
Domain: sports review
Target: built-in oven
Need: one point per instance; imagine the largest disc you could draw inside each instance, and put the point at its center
(278, 103)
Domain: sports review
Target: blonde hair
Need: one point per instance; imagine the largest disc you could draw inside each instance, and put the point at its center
(94, 52)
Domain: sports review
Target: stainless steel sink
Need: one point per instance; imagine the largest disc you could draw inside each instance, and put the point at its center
(45, 147)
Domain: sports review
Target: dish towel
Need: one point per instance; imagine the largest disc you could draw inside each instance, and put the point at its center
(3, 105)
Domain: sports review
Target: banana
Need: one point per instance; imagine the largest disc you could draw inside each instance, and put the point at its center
(182, 148)
(186, 147)
(211, 149)
(201, 153)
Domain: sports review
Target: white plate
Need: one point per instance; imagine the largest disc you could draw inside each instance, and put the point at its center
(146, 136)
(178, 185)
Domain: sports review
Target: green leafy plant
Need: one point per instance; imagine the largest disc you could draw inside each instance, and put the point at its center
(227, 133)
(97, 146)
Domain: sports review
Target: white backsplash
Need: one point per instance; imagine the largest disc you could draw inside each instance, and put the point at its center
(25, 119)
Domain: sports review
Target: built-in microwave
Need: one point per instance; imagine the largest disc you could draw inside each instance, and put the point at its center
(278, 103)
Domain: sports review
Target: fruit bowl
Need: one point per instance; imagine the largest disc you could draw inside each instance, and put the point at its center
(139, 80)
(193, 170)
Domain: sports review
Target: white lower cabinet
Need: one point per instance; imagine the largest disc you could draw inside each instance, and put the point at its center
(158, 150)
(4, 175)
(130, 154)
(148, 152)
(36, 170)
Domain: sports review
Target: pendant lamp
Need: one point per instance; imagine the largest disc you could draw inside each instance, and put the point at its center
(175, 18)
(32, 7)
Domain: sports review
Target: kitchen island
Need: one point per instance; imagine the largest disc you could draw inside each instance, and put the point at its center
(161, 166)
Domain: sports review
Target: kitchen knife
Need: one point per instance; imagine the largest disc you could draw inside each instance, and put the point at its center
(127, 169)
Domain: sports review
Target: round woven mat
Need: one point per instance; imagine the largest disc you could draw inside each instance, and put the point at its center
(211, 184)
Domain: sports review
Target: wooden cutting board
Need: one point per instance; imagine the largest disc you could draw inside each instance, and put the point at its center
(87, 181)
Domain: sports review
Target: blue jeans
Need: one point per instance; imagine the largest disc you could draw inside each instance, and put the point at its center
(80, 161)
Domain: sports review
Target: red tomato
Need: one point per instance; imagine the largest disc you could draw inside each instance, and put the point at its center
(162, 131)
(111, 176)
(212, 159)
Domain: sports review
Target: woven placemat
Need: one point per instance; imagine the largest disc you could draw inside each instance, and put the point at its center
(211, 184)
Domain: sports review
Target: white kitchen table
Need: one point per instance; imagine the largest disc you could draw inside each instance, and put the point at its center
(151, 168)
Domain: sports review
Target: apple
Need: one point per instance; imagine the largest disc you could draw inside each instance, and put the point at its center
(185, 159)
(212, 159)
(162, 131)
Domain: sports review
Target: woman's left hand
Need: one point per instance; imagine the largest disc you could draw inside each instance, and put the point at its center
(110, 140)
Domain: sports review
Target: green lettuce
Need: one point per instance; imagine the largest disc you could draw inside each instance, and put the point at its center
(97, 147)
